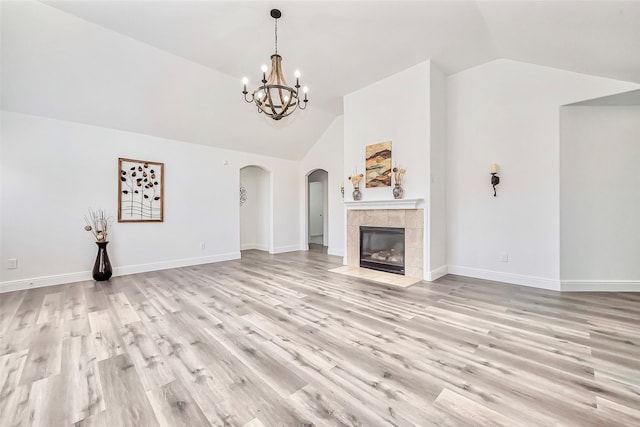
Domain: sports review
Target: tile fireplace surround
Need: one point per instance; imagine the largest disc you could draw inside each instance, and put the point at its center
(412, 220)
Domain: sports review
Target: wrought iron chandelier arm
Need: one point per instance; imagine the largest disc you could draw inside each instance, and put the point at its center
(304, 101)
(245, 97)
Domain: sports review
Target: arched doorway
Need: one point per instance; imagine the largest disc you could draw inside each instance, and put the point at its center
(255, 209)
(317, 210)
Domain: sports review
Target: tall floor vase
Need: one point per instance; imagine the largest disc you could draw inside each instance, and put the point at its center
(102, 268)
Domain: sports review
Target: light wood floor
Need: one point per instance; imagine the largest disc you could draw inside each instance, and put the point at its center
(280, 341)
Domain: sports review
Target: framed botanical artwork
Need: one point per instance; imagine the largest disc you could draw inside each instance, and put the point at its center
(140, 191)
(378, 165)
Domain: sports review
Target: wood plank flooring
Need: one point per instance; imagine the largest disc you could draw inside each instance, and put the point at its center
(278, 340)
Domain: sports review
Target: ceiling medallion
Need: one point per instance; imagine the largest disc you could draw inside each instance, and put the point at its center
(274, 97)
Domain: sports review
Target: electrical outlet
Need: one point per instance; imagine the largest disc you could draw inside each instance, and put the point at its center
(12, 263)
(504, 257)
(202, 246)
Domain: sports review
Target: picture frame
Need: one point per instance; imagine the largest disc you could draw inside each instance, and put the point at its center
(378, 165)
(140, 191)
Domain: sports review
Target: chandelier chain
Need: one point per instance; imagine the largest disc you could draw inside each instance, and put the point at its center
(276, 36)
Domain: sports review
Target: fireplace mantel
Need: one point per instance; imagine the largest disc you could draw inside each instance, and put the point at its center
(383, 204)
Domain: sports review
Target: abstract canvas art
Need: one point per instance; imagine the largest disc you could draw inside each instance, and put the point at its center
(378, 165)
(140, 191)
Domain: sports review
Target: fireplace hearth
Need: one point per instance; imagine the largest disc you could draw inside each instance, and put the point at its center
(383, 249)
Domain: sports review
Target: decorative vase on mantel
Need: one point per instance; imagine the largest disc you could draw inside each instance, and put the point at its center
(398, 175)
(102, 268)
(357, 194)
(355, 181)
(398, 192)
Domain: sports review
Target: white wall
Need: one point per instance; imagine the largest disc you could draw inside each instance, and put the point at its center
(436, 256)
(507, 112)
(395, 109)
(327, 154)
(52, 171)
(255, 213)
(600, 197)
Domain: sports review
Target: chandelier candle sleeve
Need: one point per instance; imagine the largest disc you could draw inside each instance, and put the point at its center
(275, 97)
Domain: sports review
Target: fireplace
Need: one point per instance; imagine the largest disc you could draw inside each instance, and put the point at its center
(382, 248)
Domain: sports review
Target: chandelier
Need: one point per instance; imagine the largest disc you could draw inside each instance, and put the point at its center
(274, 97)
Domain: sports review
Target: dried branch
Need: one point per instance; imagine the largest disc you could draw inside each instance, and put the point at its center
(98, 223)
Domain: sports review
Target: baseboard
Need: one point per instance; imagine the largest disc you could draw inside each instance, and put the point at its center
(601, 285)
(155, 266)
(250, 246)
(41, 282)
(498, 276)
(292, 248)
(60, 279)
(335, 251)
(437, 273)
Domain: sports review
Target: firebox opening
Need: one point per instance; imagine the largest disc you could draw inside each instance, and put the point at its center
(382, 248)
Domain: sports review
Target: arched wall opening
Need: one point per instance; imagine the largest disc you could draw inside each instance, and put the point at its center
(317, 210)
(256, 207)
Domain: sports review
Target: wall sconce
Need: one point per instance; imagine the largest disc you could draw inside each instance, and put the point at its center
(495, 179)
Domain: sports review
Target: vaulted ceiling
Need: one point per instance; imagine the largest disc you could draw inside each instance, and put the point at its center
(339, 46)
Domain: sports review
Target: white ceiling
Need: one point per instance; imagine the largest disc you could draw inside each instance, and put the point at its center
(631, 98)
(341, 46)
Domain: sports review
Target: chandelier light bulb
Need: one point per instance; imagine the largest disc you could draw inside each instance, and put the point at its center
(245, 80)
(286, 99)
(297, 74)
(264, 68)
(305, 89)
(260, 94)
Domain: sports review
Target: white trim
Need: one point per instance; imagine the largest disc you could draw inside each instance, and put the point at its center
(437, 273)
(60, 279)
(40, 282)
(335, 251)
(292, 248)
(601, 285)
(155, 266)
(249, 246)
(383, 204)
(499, 276)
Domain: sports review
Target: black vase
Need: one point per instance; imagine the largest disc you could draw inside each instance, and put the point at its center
(102, 268)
